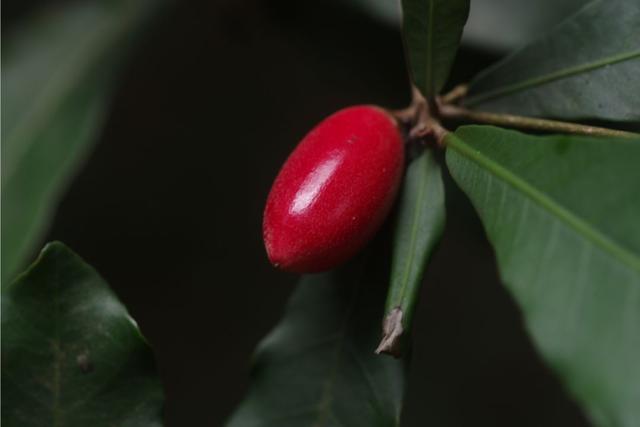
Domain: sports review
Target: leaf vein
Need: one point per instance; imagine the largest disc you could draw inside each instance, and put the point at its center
(550, 77)
(572, 220)
(414, 234)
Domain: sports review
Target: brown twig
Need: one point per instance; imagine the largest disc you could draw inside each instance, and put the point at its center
(455, 112)
(421, 117)
(456, 94)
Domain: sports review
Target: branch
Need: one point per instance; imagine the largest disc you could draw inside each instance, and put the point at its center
(456, 94)
(455, 112)
(420, 119)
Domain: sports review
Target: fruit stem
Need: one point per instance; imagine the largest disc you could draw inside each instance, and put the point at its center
(421, 117)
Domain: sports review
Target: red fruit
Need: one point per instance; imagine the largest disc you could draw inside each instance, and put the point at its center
(334, 190)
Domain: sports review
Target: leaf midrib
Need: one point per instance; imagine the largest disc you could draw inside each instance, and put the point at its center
(414, 234)
(579, 225)
(549, 77)
(429, 70)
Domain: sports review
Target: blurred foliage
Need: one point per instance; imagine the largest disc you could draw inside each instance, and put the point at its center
(499, 25)
(57, 76)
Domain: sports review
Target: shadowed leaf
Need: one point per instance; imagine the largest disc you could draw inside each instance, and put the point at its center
(318, 367)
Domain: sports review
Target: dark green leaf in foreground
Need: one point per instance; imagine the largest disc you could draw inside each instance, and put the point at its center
(432, 30)
(318, 367)
(587, 67)
(71, 355)
(419, 224)
(562, 215)
(56, 78)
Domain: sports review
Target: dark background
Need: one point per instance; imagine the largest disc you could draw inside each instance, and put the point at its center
(168, 209)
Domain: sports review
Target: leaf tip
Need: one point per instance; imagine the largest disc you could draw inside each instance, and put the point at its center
(54, 246)
(392, 331)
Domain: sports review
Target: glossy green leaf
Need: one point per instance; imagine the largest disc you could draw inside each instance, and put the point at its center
(562, 215)
(587, 67)
(56, 78)
(318, 367)
(71, 355)
(419, 224)
(432, 30)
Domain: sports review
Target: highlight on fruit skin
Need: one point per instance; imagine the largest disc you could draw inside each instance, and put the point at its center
(334, 191)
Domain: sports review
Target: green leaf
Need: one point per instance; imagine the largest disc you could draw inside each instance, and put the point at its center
(71, 355)
(432, 30)
(56, 77)
(318, 367)
(562, 215)
(587, 67)
(419, 224)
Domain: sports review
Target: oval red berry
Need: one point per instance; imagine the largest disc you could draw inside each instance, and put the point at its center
(334, 190)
